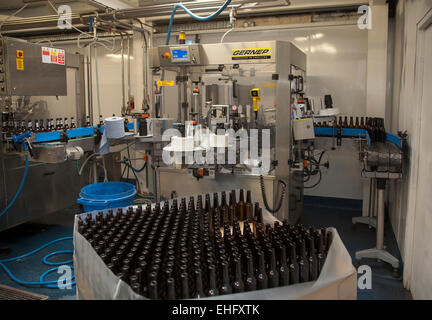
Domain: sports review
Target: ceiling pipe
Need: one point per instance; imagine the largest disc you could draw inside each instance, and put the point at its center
(162, 12)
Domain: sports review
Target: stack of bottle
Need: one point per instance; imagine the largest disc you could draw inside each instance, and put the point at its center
(374, 126)
(12, 126)
(204, 248)
(344, 122)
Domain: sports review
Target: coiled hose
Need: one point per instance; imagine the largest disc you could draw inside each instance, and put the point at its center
(42, 282)
(263, 193)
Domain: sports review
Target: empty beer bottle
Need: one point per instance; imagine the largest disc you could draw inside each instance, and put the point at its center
(294, 267)
(238, 285)
(213, 290)
(73, 125)
(283, 268)
(225, 287)
(273, 275)
(250, 282)
(262, 280)
(199, 290)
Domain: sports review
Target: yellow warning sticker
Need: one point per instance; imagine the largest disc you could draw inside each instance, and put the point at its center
(20, 64)
(20, 60)
(270, 85)
(165, 83)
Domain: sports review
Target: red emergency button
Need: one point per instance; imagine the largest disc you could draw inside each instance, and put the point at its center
(167, 55)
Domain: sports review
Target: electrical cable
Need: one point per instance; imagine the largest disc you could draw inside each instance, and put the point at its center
(42, 281)
(12, 15)
(263, 193)
(23, 180)
(196, 17)
(85, 162)
(225, 34)
(317, 183)
(105, 169)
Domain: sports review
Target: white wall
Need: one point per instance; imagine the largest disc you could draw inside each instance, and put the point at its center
(336, 65)
(410, 209)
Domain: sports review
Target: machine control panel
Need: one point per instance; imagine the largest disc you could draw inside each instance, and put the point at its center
(178, 55)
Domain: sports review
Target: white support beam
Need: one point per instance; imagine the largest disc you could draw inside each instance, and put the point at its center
(377, 60)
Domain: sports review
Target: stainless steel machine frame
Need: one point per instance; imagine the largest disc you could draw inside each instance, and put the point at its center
(49, 186)
(265, 65)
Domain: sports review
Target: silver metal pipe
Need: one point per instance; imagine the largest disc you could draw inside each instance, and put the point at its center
(157, 183)
(89, 85)
(371, 198)
(163, 12)
(129, 70)
(380, 221)
(122, 72)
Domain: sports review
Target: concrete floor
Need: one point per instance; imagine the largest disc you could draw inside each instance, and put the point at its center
(317, 211)
(386, 285)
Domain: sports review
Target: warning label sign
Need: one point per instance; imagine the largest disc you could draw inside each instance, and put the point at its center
(53, 56)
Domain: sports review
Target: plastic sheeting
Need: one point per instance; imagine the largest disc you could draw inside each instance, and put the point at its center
(95, 280)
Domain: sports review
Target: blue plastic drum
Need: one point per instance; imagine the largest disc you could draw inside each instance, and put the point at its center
(106, 195)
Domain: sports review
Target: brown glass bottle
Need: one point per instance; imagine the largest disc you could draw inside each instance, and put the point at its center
(293, 267)
(238, 285)
(225, 287)
(250, 282)
(273, 274)
(283, 268)
(262, 281)
(199, 290)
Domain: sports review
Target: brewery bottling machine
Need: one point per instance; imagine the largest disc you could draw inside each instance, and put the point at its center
(239, 87)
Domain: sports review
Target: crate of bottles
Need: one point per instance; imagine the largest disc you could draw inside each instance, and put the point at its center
(205, 246)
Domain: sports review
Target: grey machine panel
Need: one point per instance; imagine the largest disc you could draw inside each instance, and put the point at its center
(30, 77)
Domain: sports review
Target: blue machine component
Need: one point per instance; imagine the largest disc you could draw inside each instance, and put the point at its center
(47, 136)
(355, 133)
(346, 132)
(20, 138)
(395, 139)
(80, 132)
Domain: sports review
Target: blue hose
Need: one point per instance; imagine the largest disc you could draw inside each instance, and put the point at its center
(23, 180)
(193, 15)
(42, 281)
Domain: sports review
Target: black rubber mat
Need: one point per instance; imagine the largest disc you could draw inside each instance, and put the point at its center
(9, 293)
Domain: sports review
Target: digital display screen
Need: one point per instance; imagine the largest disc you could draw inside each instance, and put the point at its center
(180, 55)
